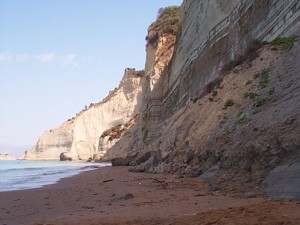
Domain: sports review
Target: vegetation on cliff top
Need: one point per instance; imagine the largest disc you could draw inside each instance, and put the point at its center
(134, 72)
(167, 23)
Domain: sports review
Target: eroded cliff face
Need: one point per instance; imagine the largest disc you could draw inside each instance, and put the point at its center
(213, 33)
(78, 138)
(52, 143)
(200, 117)
(118, 109)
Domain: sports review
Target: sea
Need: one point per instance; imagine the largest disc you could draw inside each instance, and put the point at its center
(24, 174)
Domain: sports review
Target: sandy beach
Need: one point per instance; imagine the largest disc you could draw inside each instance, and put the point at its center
(112, 195)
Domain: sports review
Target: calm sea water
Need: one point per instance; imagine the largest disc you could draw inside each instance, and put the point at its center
(18, 175)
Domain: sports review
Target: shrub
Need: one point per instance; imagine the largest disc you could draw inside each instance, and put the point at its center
(259, 101)
(232, 64)
(222, 122)
(215, 93)
(287, 43)
(264, 78)
(228, 103)
(235, 63)
(250, 95)
(134, 72)
(257, 75)
(166, 23)
(272, 91)
(248, 82)
(242, 120)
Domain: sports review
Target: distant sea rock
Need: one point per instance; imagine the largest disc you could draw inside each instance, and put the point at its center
(7, 157)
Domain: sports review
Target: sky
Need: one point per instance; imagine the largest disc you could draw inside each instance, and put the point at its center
(56, 56)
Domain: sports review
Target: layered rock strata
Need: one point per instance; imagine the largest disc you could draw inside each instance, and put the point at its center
(213, 33)
(192, 122)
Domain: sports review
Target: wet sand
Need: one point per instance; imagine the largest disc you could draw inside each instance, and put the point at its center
(111, 195)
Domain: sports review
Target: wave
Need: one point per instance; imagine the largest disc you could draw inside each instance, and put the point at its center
(60, 171)
(22, 169)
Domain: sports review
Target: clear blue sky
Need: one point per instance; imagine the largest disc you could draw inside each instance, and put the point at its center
(56, 56)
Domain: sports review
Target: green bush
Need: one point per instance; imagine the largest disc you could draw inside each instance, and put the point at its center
(287, 43)
(234, 63)
(250, 95)
(264, 78)
(259, 101)
(166, 23)
(228, 103)
(215, 93)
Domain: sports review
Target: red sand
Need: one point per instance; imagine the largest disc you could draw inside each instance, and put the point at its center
(136, 198)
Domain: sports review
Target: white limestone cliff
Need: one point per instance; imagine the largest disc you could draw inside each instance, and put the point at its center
(80, 135)
(118, 108)
(52, 143)
(7, 157)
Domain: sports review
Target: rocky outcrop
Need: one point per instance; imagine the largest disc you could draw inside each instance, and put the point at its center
(121, 161)
(65, 156)
(7, 157)
(78, 138)
(110, 137)
(284, 181)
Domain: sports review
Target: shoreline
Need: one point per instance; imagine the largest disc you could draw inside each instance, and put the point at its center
(112, 195)
(24, 175)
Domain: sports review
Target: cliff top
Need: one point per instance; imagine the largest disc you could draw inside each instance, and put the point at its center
(167, 22)
(129, 72)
